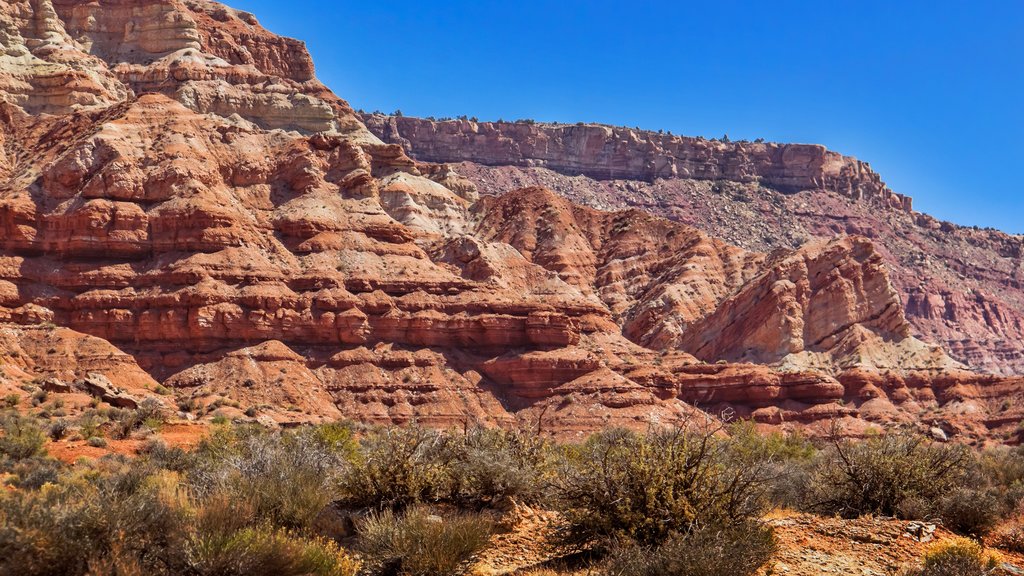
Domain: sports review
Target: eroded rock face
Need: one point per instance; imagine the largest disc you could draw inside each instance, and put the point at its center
(65, 55)
(960, 287)
(606, 152)
(199, 212)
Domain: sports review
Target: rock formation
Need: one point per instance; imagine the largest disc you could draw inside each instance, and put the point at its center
(960, 287)
(183, 205)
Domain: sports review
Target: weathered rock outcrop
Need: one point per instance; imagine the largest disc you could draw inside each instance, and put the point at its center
(960, 287)
(198, 212)
(613, 153)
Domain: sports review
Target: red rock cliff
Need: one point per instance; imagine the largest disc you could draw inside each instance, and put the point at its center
(606, 152)
(183, 202)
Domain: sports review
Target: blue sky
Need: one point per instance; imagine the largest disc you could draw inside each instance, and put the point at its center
(931, 93)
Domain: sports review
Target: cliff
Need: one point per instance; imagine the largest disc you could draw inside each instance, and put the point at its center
(615, 153)
(959, 287)
(188, 206)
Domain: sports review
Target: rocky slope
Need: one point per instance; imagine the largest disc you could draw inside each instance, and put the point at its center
(960, 287)
(183, 204)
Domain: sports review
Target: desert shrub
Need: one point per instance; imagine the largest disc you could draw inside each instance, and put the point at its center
(11, 400)
(997, 476)
(89, 425)
(189, 404)
(1002, 465)
(621, 485)
(262, 550)
(879, 474)
(787, 461)
(417, 543)
(22, 437)
(970, 510)
(121, 516)
(289, 477)
(65, 528)
(748, 443)
(58, 429)
(97, 442)
(738, 550)
(32, 473)
(957, 557)
(1009, 536)
(39, 396)
(166, 457)
(488, 466)
(150, 413)
(396, 467)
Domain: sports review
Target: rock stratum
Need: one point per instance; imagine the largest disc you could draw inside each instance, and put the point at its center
(183, 205)
(960, 287)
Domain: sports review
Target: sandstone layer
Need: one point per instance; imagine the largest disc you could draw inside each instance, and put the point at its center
(960, 287)
(183, 205)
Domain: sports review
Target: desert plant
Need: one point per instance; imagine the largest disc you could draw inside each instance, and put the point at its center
(58, 429)
(97, 442)
(39, 396)
(22, 437)
(166, 457)
(970, 511)
(33, 473)
(957, 557)
(417, 543)
(738, 550)
(289, 477)
(396, 467)
(11, 400)
(65, 528)
(620, 485)
(89, 425)
(488, 466)
(150, 412)
(879, 474)
(189, 404)
(266, 551)
(787, 461)
(1009, 536)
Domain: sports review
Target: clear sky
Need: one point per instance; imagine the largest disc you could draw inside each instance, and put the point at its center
(928, 91)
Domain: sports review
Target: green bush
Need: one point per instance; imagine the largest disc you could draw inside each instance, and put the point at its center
(958, 557)
(89, 425)
(63, 529)
(22, 438)
(58, 429)
(12, 400)
(417, 543)
(396, 467)
(150, 413)
(32, 473)
(787, 461)
(749, 444)
(486, 467)
(266, 551)
(124, 515)
(739, 550)
(97, 442)
(166, 457)
(289, 477)
(620, 485)
(1002, 465)
(971, 511)
(880, 474)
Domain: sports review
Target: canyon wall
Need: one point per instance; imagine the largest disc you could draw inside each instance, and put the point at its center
(615, 153)
(960, 287)
(183, 204)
